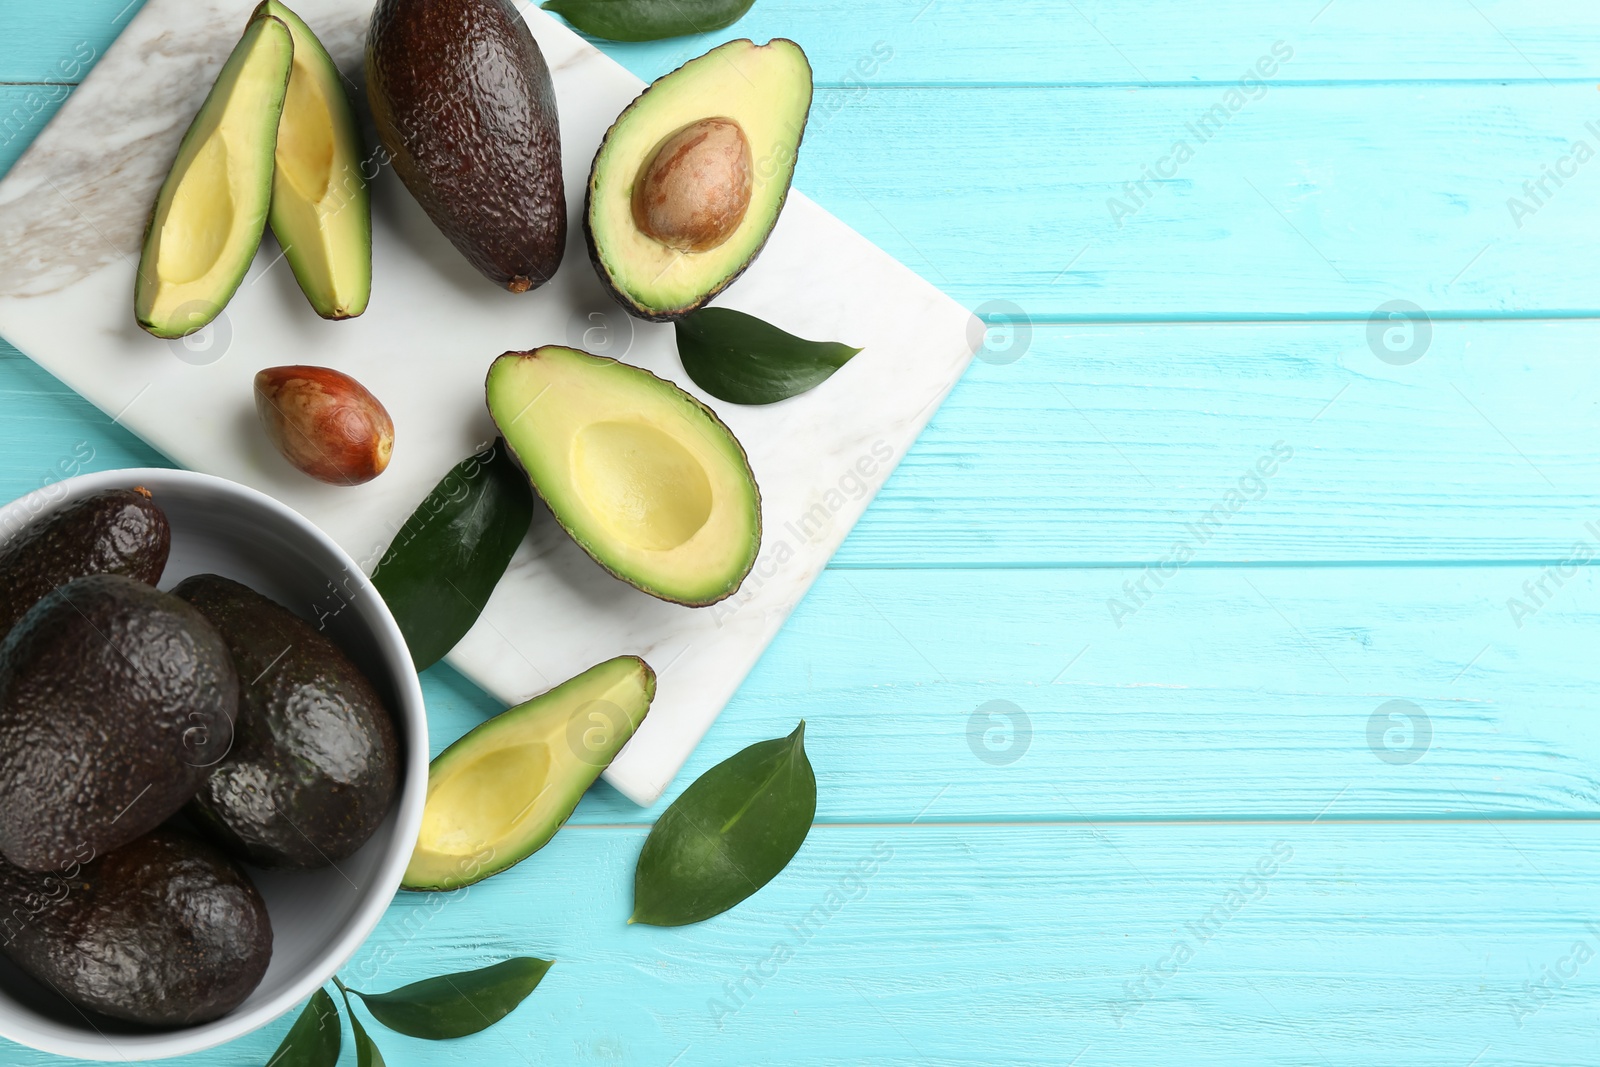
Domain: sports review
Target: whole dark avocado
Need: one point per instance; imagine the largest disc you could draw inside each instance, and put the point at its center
(113, 698)
(118, 531)
(165, 931)
(315, 763)
(463, 102)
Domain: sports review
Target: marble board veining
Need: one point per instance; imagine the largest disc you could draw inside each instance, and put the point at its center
(71, 215)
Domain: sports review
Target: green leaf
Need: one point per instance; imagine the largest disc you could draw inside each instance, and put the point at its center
(728, 835)
(648, 20)
(367, 1054)
(445, 561)
(738, 358)
(455, 1005)
(313, 1040)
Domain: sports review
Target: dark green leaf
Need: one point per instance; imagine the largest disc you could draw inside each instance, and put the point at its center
(648, 20)
(738, 358)
(445, 561)
(313, 1040)
(455, 1005)
(728, 835)
(367, 1054)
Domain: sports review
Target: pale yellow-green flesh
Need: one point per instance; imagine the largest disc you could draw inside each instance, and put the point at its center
(766, 89)
(647, 480)
(502, 791)
(212, 207)
(320, 210)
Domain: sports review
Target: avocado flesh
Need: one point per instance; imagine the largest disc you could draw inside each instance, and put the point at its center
(642, 475)
(500, 793)
(164, 931)
(211, 210)
(118, 531)
(766, 89)
(320, 209)
(314, 765)
(113, 698)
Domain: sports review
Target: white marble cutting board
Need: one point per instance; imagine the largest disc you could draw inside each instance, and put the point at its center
(71, 214)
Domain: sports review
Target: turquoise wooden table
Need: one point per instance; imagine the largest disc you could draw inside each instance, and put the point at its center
(1216, 681)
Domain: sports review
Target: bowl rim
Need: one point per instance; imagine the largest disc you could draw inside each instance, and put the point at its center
(410, 718)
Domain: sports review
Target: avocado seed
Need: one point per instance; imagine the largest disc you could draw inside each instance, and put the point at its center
(695, 189)
(325, 423)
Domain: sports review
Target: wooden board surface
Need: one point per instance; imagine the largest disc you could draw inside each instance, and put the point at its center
(1033, 881)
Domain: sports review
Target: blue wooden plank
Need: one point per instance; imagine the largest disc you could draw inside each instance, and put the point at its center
(1185, 203)
(982, 945)
(1434, 441)
(1038, 42)
(1021, 695)
(1115, 42)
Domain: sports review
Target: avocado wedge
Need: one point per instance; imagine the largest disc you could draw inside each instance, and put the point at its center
(643, 476)
(320, 210)
(208, 217)
(499, 794)
(691, 178)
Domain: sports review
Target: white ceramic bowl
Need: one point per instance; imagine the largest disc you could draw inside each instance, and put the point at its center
(319, 917)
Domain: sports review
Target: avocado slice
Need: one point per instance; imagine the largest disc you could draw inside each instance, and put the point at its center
(208, 217)
(113, 696)
(164, 931)
(315, 763)
(499, 794)
(463, 101)
(690, 180)
(643, 476)
(321, 214)
(118, 531)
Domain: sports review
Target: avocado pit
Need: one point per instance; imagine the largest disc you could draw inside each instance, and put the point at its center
(694, 191)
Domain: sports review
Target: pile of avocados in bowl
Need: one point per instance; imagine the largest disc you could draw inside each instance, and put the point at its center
(212, 763)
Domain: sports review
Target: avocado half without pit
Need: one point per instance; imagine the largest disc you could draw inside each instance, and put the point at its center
(691, 178)
(642, 475)
(209, 215)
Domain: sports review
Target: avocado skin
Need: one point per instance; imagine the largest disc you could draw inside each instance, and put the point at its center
(315, 762)
(118, 531)
(164, 931)
(112, 695)
(463, 101)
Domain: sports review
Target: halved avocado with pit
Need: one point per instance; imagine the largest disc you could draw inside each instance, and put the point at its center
(208, 217)
(643, 476)
(320, 209)
(500, 793)
(691, 178)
